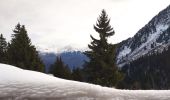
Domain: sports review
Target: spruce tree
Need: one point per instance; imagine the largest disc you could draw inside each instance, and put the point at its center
(101, 68)
(22, 53)
(3, 49)
(59, 69)
(77, 74)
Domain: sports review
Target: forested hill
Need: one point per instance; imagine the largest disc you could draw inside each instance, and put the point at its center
(149, 72)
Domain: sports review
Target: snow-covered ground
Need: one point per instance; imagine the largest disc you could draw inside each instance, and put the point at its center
(18, 84)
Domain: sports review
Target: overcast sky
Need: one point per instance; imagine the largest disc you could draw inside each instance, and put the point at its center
(59, 24)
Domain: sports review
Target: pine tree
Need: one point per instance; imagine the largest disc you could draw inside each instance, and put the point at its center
(22, 53)
(59, 69)
(77, 74)
(101, 68)
(3, 49)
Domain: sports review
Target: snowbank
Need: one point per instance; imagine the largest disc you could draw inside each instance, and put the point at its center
(18, 84)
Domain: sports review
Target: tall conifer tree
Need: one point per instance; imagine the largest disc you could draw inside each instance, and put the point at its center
(22, 53)
(3, 49)
(59, 69)
(101, 68)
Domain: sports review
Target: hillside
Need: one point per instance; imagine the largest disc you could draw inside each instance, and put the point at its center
(145, 57)
(153, 37)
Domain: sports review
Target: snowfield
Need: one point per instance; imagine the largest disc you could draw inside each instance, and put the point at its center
(18, 84)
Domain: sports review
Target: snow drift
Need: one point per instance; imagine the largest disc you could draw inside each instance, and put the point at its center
(19, 84)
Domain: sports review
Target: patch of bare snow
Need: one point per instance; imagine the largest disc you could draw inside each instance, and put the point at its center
(124, 52)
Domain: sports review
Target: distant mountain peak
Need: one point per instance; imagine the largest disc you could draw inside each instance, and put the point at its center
(56, 50)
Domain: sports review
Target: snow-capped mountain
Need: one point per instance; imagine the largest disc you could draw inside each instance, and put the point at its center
(19, 84)
(153, 37)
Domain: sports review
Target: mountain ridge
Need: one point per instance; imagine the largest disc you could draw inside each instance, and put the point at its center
(148, 38)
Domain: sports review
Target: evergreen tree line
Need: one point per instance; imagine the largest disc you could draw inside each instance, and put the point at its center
(100, 69)
(19, 51)
(148, 72)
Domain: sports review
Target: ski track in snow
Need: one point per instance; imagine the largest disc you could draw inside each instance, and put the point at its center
(18, 84)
